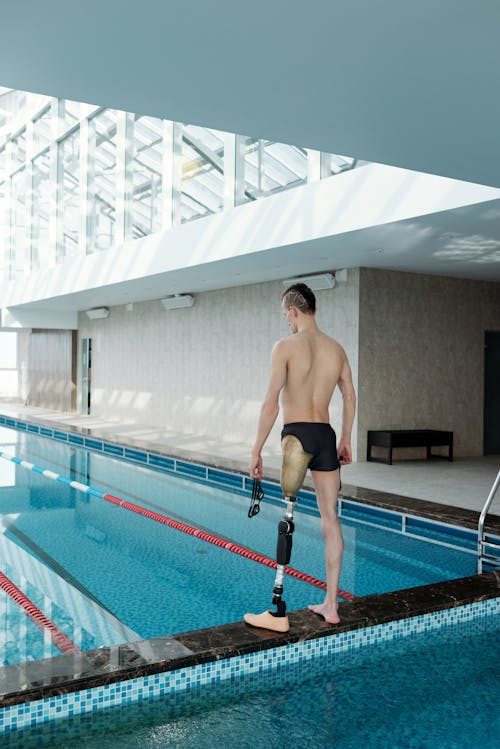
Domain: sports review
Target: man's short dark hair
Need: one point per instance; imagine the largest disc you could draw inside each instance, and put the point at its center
(299, 295)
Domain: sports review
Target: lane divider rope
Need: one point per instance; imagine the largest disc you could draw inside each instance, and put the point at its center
(177, 525)
(43, 623)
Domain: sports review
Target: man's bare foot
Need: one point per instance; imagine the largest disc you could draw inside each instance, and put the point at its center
(329, 613)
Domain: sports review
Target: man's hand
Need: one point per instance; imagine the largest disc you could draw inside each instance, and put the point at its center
(255, 466)
(344, 452)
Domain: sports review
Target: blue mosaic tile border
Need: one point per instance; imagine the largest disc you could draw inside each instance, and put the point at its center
(25, 717)
(446, 534)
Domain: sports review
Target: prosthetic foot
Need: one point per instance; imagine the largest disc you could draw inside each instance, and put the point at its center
(293, 471)
(267, 620)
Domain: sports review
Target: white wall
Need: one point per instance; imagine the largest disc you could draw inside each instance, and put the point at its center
(204, 370)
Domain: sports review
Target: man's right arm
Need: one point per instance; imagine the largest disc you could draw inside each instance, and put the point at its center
(270, 407)
(348, 410)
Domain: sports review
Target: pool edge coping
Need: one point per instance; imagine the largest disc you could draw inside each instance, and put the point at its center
(119, 663)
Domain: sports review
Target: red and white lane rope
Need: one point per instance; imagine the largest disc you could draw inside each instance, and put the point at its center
(177, 525)
(59, 639)
(220, 542)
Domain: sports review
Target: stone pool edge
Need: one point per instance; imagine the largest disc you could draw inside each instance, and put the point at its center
(65, 674)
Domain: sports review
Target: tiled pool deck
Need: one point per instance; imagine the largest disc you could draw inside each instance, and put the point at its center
(69, 684)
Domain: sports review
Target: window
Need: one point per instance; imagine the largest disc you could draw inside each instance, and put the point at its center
(17, 224)
(19, 149)
(40, 211)
(271, 167)
(42, 130)
(202, 172)
(147, 164)
(103, 194)
(69, 203)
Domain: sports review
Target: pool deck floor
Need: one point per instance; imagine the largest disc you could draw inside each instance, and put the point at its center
(463, 483)
(452, 492)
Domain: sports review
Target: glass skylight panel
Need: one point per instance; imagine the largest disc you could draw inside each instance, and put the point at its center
(210, 140)
(69, 113)
(253, 178)
(17, 224)
(191, 208)
(70, 209)
(276, 162)
(42, 129)
(201, 192)
(40, 210)
(341, 163)
(271, 166)
(202, 171)
(147, 164)
(103, 151)
(12, 104)
(293, 159)
(3, 163)
(19, 149)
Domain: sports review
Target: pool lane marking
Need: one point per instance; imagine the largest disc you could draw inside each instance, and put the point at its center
(43, 623)
(177, 525)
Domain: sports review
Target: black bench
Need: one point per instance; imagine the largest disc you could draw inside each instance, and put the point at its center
(391, 438)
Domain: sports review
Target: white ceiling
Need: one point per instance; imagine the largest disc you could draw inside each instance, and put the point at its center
(402, 83)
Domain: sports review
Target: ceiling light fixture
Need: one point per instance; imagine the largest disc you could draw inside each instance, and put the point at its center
(97, 313)
(177, 301)
(316, 282)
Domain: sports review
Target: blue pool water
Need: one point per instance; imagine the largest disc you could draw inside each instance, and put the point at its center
(108, 575)
(438, 689)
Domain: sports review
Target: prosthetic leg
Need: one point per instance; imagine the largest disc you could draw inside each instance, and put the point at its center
(293, 471)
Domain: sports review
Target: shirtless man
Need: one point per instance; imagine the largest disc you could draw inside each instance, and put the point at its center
(305, 368)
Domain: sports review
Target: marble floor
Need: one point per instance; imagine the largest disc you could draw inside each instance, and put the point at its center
(464, 483)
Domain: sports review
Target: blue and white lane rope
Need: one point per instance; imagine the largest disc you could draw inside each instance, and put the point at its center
(184, 527)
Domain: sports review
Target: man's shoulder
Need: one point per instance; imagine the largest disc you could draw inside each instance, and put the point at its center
(281, 347)
(333, 343)
(281, 343)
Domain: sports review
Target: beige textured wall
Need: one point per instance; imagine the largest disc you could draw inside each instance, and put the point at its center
(204, 370)
(50, 370)
(421, 359)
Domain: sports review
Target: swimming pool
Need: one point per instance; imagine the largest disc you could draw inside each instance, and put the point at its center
(43, 691)
(134, 578)
(432, 687)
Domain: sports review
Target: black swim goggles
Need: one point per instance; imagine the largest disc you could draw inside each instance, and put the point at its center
(257, 497)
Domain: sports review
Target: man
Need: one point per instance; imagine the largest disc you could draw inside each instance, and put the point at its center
(305, 368)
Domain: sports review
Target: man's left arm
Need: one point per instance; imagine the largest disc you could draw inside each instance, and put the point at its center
(270, 407)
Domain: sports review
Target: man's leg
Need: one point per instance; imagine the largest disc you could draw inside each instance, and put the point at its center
(326, 484)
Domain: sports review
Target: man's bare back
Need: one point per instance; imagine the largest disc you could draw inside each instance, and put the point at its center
(314, 366)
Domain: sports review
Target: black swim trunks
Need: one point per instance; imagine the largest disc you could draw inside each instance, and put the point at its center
(318, 439)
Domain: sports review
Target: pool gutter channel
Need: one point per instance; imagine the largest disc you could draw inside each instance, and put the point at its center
(73, 672)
